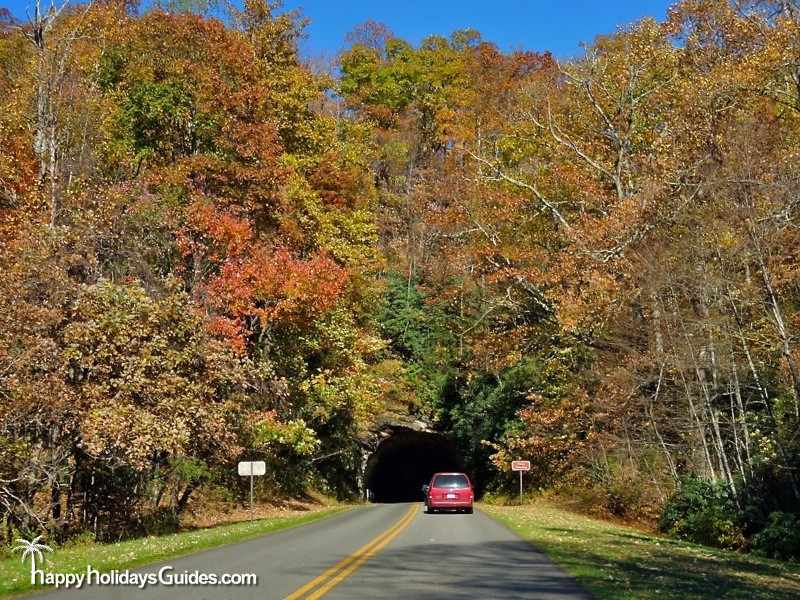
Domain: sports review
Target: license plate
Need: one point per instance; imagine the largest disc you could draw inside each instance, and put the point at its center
(451, 496)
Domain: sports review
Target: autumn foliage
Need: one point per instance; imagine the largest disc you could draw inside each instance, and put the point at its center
(188, 254)
(611, 243)
(211, 252)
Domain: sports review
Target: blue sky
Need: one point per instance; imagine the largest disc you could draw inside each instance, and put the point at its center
(558, 26)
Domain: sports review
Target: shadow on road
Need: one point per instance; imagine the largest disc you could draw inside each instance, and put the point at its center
(499, 569)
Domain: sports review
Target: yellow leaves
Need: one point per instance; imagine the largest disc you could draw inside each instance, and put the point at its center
(270, 434)
(727, 239)
(148, 380)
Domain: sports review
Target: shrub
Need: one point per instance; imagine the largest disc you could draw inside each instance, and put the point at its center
(780, 538)
(161, 521)
(623, 495)
(768, 490)
(500, 498)
(702, 512)
(582, 497)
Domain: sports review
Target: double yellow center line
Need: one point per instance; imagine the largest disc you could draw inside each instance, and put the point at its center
(319, 586)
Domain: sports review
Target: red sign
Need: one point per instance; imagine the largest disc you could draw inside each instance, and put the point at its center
(520, 465)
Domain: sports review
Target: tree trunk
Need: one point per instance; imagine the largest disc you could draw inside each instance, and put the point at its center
(737, 393)
(673, 471)
(765, 399)
(183, 501)
(777, 314)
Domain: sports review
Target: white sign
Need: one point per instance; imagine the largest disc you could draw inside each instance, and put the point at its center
(250, 468)
(520, 465)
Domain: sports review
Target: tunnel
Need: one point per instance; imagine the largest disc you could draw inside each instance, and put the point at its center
(406, 460)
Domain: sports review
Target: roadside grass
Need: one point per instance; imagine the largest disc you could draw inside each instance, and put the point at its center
(74, 557)
(617, 562)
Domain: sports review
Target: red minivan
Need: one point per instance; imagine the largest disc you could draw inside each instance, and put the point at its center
(448, 491)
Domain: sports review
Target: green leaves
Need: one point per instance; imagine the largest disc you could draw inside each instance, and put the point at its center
(702, 512)
(164, 122)
(386, 84)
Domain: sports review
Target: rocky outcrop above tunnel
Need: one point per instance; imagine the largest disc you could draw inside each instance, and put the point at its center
(388, 424)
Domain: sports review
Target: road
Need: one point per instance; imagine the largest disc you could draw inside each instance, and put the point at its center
(376, 552)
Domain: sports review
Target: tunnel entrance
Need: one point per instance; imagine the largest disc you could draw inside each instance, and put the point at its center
(402, 463)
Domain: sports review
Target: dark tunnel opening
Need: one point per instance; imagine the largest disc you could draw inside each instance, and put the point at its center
(402, 463)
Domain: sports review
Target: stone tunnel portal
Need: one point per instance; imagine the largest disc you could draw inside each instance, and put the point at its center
(403, 462)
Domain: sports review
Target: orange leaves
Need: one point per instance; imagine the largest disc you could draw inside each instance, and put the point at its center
(554, 437)
(275, 287)
(245, 283)
(338, 183)
(231, 330)
(215, 233)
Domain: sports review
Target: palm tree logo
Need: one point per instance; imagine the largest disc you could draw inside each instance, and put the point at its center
(32, 548)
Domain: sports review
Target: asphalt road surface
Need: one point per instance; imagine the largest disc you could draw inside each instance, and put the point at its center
(374, 552)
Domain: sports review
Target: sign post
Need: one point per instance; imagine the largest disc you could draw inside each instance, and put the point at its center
(521, 466)
(252, 469)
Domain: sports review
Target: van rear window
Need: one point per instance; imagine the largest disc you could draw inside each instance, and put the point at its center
(450, 481)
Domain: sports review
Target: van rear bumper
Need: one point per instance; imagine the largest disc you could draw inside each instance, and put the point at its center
(449, 504)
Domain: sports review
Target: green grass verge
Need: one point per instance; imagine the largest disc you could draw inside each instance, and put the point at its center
(615, 562)
(15, 577)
